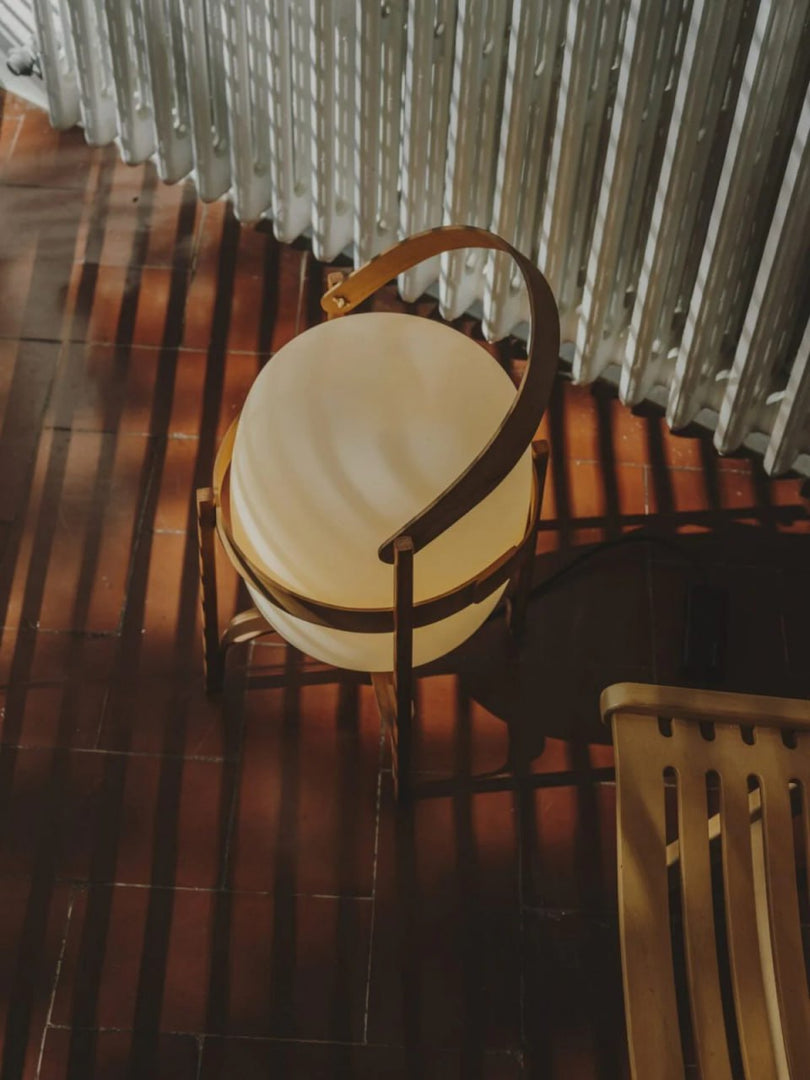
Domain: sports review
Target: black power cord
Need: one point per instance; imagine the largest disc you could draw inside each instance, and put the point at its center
(707, 606)
(639, 537)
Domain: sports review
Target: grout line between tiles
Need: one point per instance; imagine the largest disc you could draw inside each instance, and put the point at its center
(378, 815)
(138, 532)
(24, 339)
(556, 915)
(208, 890)
(598, 777)
(101, 343)
(73, 188)
(71, 900)
(105, 701)
(278, 1040)
(205, 759)
(126, 266)
(12, 147)
(200, 1040)
(85, 635)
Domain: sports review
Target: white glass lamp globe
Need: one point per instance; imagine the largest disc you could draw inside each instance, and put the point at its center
(352, 429)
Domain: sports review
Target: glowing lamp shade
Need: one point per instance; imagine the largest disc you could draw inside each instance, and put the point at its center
(352, 429)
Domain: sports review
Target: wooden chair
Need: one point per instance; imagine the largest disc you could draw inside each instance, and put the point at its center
(741, 943)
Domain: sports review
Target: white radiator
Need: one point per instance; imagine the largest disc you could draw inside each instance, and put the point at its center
(652, 155)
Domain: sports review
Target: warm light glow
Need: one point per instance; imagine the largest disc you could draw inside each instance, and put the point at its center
(353, 428)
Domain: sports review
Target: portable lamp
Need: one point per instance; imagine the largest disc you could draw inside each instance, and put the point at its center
(378, 491)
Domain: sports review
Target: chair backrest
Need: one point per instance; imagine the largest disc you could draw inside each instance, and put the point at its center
(751, 755)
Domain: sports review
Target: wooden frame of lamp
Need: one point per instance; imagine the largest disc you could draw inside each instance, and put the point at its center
(394, 690)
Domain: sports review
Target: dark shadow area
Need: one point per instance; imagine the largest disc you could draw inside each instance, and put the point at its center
(546, 686)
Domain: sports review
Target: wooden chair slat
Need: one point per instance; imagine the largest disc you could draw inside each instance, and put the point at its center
(750, 996)
(700, 944)
(783, 902)
(651, 1005)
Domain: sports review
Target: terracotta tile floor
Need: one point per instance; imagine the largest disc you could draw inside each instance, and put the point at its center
(195, 888)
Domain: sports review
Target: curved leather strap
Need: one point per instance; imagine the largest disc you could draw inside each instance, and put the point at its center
(518, 427)
(361, 620)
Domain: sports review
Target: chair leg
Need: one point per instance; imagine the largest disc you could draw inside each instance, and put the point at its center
(383, 685)
(518, 602)
(213, 654)
(403, 666)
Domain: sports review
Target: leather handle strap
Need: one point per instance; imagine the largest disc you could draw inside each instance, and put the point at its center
(519, 426)
(366, 620)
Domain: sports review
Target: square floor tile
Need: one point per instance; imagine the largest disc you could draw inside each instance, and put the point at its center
(33, 922)
(171, 621)
(51, 805)
(247, 964)
(255, 1058)
(147, 820)
(167, 714)
(573, 997)
(27, 371)
(568, 835)
(62, 714)
(127, 305)
(307, 814)
(106, 388)
(138, 223)
(72, 573)
(454, 735)
(115, 1055)
(446, 949)
(44, 157)
(587, 423)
